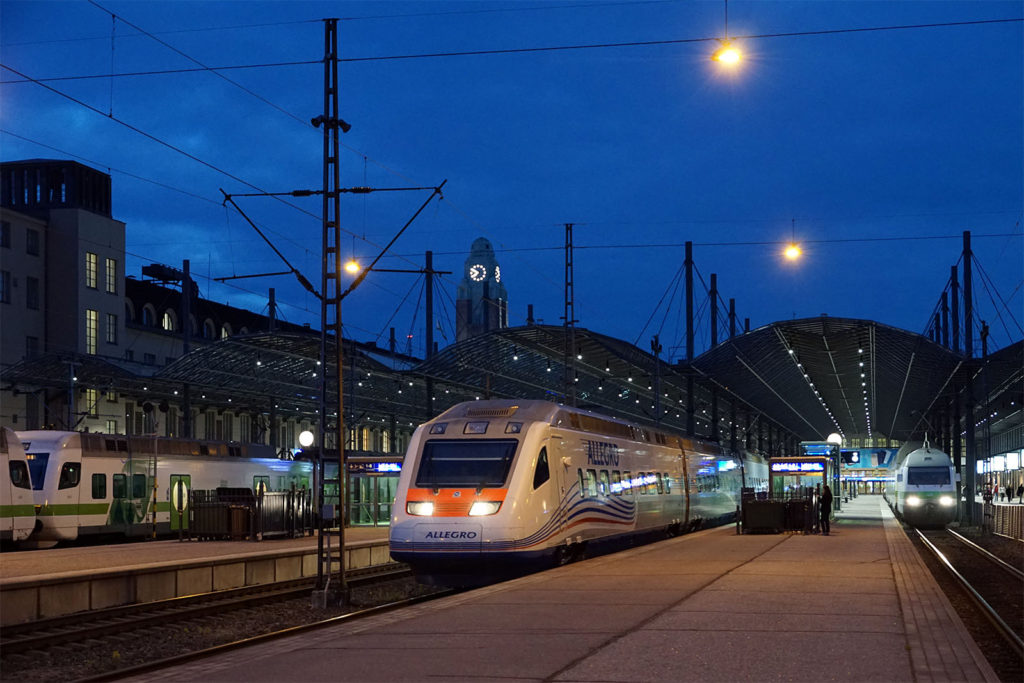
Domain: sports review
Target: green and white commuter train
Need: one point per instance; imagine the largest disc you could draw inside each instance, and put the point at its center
(89, 484)
(17, 512)
(923, 489)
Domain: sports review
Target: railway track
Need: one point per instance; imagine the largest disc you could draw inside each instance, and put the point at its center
(19, 639)
(995, 587)
(190, 657)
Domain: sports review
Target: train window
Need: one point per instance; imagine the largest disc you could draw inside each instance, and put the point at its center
(70, 475)
(627, 482)
(661, 484)
(604, 485)
(591, 483)
(927, 476)
(465, 462)
(138, 486)
(19, 474)
(668, 483)
(616, 483)
(99, 486)
(120, 486)
(542, 473)
(583, 485)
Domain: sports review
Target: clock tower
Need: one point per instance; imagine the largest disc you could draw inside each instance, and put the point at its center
(482, 303)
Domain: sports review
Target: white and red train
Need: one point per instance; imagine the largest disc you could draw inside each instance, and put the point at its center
(499, 487)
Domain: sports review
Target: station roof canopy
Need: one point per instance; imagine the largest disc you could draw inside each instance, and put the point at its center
(822, 375)
(802, 375)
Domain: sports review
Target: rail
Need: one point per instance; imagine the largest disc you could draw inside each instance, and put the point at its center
(1008, 633)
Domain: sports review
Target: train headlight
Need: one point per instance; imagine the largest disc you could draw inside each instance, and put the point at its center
(484, 507)
(946, 501)
(421, 508)
(913, 501)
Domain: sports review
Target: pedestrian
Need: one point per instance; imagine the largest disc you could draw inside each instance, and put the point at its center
(826, 508)
(1020, 492)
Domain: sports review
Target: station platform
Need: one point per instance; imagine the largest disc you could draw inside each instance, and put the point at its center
(36, 584)
(59, 561)
(857, 605)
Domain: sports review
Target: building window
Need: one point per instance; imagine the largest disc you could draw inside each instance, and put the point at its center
(32, 293)
(111, 276)
(168, 322)
(129, 354)
(92, 330)
(32, 242)
(5, 234)
(111, 328)
(5, 286)
(31, 347)
(91, 267)
(111, 396)
(147, 315)
(149, 358)
(92, 397)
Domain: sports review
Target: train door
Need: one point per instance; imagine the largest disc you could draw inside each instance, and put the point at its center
(181, 485)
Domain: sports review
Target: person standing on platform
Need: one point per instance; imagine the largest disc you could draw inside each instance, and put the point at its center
(1020, 493)
(826, 509)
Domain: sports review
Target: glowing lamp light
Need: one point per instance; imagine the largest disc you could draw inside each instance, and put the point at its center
(793, 252)
(306, 438)
(727, 54)
(352, 267)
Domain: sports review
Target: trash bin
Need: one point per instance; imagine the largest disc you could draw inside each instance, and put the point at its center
(239, 522)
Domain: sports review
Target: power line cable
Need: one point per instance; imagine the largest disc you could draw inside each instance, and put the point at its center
(545, 48)
(196, 61)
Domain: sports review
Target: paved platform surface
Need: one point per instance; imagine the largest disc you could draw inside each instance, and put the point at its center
(38, 564)
(857, 605)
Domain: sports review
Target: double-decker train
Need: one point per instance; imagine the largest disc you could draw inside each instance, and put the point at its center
(90, 484)
(923, 489)
(17, 513)
(499, 487)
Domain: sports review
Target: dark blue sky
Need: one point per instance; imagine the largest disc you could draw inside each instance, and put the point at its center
(875, 148)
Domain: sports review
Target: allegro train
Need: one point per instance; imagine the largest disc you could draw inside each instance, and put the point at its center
(500, 487)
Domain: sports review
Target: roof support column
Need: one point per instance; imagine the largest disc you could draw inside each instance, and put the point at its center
(970, 444)
(691, 406)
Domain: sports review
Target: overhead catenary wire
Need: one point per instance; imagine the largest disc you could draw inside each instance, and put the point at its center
(564, 48)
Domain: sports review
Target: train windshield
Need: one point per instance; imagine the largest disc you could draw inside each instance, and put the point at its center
(927, 476)
(37, 468)
(465, 463)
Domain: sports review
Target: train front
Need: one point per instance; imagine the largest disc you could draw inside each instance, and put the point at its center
(459, 516)
(928, 489)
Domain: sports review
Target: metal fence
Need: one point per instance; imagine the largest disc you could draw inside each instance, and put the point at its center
(1005, 520)
(239, 514)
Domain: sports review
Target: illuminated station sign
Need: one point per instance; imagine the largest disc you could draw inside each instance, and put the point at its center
(797, 467)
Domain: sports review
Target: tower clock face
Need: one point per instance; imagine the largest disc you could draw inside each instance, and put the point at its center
(477, 272)
(497, 273)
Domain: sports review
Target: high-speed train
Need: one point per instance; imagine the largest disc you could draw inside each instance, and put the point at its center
(498, 487)
(88, 484)
(17, 512)
(923, 490)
